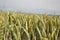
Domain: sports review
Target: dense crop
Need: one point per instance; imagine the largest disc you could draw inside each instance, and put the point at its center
(18, 26)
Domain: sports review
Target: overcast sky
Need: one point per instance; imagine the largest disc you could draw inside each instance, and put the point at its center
(30, 4)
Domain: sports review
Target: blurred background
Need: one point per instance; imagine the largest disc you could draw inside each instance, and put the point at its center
(51, 7)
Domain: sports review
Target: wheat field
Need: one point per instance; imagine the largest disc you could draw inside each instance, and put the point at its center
(19, 26)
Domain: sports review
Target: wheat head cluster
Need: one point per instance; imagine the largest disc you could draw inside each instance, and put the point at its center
(18, 26)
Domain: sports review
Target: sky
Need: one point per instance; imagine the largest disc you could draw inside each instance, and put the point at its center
(30, 5)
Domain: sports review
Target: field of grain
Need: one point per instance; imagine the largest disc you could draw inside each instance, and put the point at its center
(20, 26)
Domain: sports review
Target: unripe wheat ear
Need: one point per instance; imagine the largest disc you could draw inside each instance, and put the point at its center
(20, 26)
